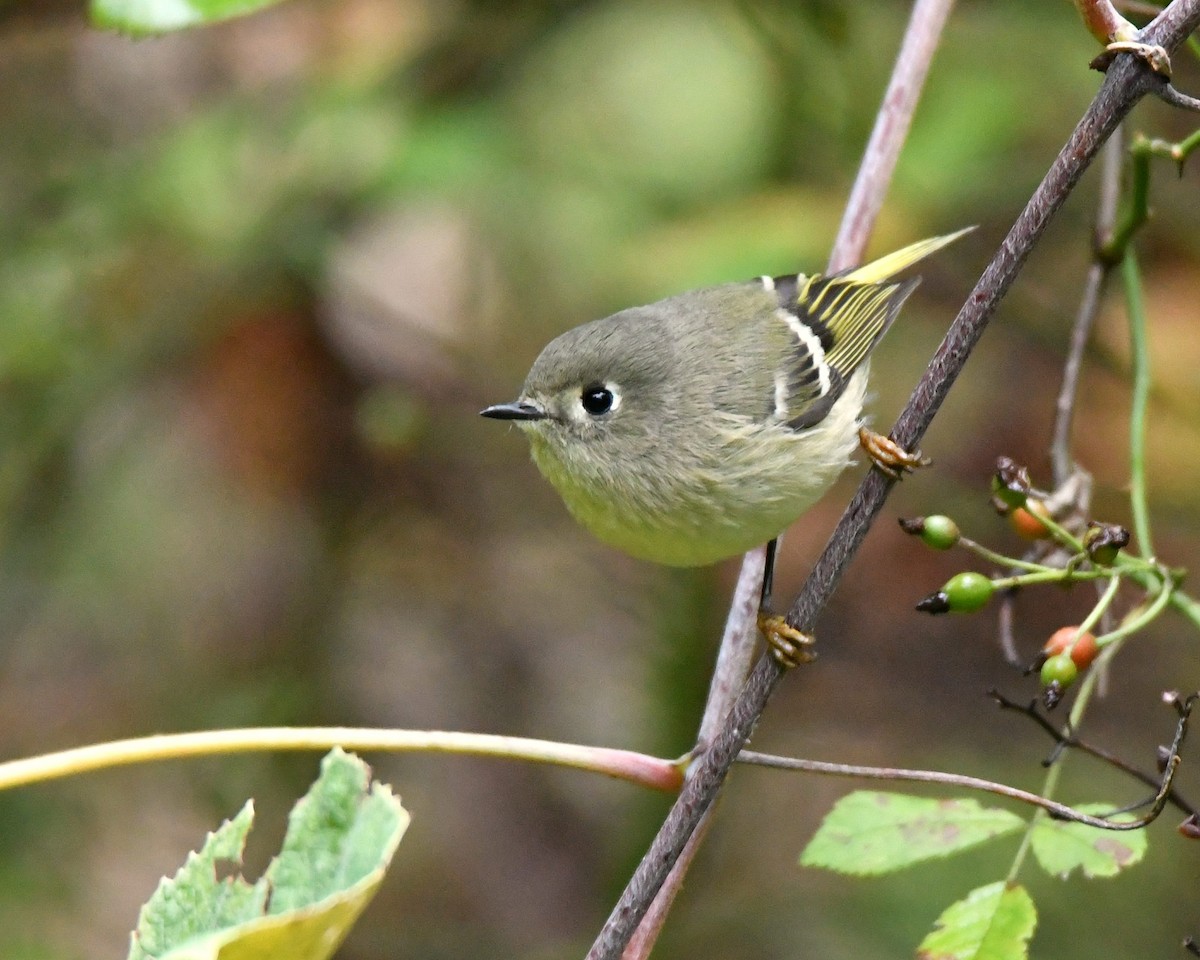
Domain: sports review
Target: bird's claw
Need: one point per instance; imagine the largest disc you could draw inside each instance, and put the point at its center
(891, 459)
(789, 646)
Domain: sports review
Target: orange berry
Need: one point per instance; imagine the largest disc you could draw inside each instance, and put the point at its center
(1083, 652)
(1025, 520)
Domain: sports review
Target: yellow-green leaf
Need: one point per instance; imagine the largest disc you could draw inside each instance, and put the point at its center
(991, 923)
(871, 833)
(1062, 846)
(340, 839)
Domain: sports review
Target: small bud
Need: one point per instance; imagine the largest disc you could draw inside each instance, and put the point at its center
(935, 603)
(1103, 541)
(1190, 828)
(1162, 756)
(938, 532)
(1010, 482)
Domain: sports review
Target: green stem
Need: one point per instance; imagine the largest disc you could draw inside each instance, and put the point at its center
(1106, 599)
(998, 558)
(1186, 605)
(1140, 355)
(1049, 576)
(1137, 207)
(622, 764)
(1136, 622)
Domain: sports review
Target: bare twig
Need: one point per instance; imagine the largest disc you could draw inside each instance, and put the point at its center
(1126, 81)
(1176, 98)
(1031, 711)
(1060, 811)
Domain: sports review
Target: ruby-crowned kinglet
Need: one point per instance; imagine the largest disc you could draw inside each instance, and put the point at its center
(699, 427)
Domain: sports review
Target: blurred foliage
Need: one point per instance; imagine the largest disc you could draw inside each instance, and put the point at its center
(256, 280)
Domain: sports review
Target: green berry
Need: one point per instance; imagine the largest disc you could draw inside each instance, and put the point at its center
(1059, 669)
(968, 591)
(939, 532)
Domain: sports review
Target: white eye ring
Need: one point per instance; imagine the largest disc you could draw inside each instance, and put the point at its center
(599, 399)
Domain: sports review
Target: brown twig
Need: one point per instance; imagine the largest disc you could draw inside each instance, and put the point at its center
(1126, 81)
(1062, 740)
(1060, 811)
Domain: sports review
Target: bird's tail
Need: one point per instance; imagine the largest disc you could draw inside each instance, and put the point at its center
(887, 266)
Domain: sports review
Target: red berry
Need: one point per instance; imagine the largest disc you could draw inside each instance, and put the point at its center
(1082, 653)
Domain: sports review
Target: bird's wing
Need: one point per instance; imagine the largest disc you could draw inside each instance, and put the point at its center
(835, 321)
(832, 324)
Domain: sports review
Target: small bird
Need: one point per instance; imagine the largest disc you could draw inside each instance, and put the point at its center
(699, 427)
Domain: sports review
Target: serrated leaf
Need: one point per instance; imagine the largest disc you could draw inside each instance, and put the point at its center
(1062, 846)
(143, 17)
(870, 832)
(340, 839)
(991, 923)
(196, 901)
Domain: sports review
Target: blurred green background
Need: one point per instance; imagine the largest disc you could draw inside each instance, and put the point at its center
(257, 280)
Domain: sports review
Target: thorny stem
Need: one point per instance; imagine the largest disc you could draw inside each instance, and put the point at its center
(1126, 81)
(1178, 152)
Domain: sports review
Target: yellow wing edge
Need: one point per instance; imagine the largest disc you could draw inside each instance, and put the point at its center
(891, 264)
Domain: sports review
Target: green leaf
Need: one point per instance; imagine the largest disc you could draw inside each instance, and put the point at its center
(872, 833)
(340, 840)
(1061, 846)
(991, 923)
(142, 17)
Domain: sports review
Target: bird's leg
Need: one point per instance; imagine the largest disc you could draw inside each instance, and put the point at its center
(889, 457)
(788, 646)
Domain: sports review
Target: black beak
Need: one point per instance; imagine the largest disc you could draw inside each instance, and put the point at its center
(518, 410)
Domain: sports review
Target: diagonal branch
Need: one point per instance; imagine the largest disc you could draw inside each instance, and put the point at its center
(1127, 81)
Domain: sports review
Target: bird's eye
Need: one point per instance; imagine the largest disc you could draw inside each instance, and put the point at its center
(597, 399)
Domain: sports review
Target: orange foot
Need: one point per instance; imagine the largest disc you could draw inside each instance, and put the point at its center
(888, 456)
(788, 646)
